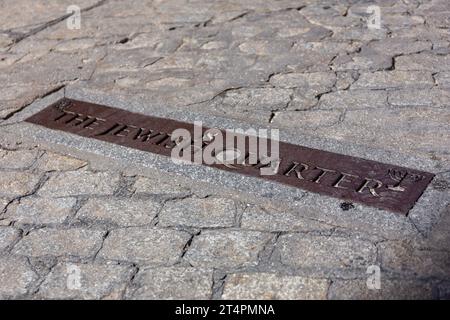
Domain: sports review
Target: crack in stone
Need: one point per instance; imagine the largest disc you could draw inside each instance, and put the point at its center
(42, 96)
(18, 37)
(105, 235)
(218, 284)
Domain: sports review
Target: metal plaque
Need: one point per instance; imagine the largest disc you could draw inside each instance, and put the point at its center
(350, 178)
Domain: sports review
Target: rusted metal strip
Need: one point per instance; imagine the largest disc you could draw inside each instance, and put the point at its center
(350, 178)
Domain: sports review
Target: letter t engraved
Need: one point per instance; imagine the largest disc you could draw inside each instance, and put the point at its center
(322, 173)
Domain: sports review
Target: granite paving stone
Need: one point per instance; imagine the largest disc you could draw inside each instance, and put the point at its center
(20, 159)
(85, 281)
(16, 184)
(394, 80)
(40, 211)
(172, 283)
(423, 61)
(390, 289)
(270, 219)
(118, 212)
(144, 245)
(271, 286)
(402, 258)
(82, 183)
(51, 161)
(325, 253)
(16, 276)
(77, 242)
(7, 237)
(158, 185)
(226, 249)
(193, 212)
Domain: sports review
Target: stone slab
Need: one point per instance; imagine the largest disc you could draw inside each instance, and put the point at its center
(349, 178)
(323, 208)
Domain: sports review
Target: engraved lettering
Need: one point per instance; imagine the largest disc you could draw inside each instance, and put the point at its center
(342, 179)
(122, 131)
(272, 165)
(158, 138)
(399, 176)
(62, 115)
(78, 119)
(165, 141)
(144, 134)
(69, 117)
(298, 170)
(322, 173)
(92, 123)
(373, 183)
(111, 130)
(371, 188)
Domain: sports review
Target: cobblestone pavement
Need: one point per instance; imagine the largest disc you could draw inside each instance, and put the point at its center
(73, 228)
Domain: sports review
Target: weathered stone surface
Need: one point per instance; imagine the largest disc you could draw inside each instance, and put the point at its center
(16, 277)
(74, 45)
(316, 82)
(144, 245)
(172, 283)
(389, 290)
(367, 59)
(123, 212)
(226, 249)
(344, 79)
(394, 80)
(158, 186)
(425, 98)
(395, 46)
(271, 286)
(19, 159)
(402, 258)
(265, 47)
(443, 79)
(85, 281)
(79, 65)
(3, 203)
(422, 134)
(7, 237)
(76, 242)
(423, 61)
(256, 99)
(325, 253)
(36, 210)
(81, 183)
(20, 16)
(440, 234)
(14, 184)
(271, 219)
(51, 161)
(354, 99)
(5, 40)
(307, 120)
(194, 212)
